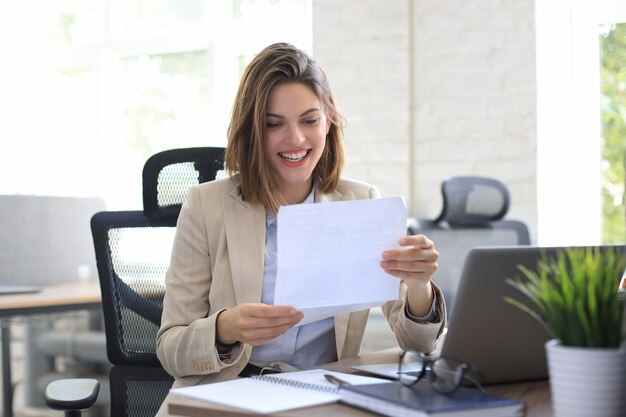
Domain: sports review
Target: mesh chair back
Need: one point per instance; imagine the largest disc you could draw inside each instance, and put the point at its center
(471, 201)
(472, 215)
(168, 175)
(133, 250)
(132, 257)
(481, 203)
(139, 390)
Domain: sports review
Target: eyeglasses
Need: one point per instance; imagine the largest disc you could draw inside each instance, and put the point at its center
(446, 374)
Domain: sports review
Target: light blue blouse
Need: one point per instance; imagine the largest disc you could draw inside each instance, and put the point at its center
(302, 346)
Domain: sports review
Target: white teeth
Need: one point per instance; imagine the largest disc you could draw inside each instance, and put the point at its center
(294, 157)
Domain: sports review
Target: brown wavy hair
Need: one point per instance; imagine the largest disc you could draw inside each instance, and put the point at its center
(280, 63)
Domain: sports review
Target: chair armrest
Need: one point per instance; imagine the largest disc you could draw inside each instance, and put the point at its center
(71, 393)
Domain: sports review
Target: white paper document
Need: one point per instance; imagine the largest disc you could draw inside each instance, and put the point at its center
(329, 255)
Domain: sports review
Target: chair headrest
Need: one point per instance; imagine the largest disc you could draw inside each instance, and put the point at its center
(473, 201)
(168, 175)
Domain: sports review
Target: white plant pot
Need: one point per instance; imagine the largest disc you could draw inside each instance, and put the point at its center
(587, 382)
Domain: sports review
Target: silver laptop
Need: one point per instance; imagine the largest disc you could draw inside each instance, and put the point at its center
(505, 343)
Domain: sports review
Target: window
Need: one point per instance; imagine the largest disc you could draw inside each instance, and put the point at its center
(94, 87)
(579, 192)
(613, 82)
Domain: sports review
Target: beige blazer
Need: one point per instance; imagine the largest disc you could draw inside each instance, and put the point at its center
(217, 263)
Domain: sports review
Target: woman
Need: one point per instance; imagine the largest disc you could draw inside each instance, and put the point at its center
(284, 147)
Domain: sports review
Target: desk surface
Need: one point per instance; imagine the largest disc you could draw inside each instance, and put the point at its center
(55, 298)
(536, 395)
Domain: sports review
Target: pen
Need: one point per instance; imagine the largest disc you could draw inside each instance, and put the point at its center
(337, 381)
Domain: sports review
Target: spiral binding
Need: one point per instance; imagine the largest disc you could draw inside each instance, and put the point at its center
(297, 384)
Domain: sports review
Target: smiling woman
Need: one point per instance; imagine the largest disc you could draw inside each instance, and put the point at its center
(220, 316)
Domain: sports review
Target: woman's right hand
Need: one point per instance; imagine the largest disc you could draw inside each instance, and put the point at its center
(255, 324)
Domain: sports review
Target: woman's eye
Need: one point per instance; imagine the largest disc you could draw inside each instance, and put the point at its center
(273, 125)
(310, 121)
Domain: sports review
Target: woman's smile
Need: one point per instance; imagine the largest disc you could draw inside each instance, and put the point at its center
(295, 158)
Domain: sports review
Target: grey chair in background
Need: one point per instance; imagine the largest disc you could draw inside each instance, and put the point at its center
(472, 215)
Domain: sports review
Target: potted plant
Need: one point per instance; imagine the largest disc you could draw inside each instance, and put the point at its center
(575, 297)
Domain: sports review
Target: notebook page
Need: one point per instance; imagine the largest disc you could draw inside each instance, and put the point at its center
(265, 397)
(256, 395)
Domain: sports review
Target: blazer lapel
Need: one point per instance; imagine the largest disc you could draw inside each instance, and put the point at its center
(245, 235)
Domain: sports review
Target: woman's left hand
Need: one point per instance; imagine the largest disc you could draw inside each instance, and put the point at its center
(415, 261)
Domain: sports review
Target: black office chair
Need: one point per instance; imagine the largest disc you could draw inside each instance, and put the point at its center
(472, 215)
(132, 253)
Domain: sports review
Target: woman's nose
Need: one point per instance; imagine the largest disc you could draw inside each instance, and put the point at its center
(295, 136)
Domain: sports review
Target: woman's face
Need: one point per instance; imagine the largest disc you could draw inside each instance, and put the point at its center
(295, 136)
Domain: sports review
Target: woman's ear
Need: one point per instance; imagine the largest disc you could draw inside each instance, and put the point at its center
(329, 123)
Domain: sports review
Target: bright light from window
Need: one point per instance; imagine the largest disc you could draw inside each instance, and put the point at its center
(94, 87)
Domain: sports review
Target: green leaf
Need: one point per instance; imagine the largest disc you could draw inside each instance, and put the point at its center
(575, 294)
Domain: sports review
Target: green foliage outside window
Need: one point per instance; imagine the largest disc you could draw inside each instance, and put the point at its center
(613, 79)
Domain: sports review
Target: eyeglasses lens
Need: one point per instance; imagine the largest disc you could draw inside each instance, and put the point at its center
(410, 368)
(448, 374)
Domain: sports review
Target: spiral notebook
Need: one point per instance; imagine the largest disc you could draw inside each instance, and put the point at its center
(277, 392)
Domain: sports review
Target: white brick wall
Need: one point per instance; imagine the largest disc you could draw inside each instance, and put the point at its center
(364, 48)
(468, 71)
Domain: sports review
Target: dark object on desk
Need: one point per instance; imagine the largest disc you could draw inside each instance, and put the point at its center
(420, 400)
(6, 289)
(340, 383)
(505, 343)
(132, 253)
(472, 215)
